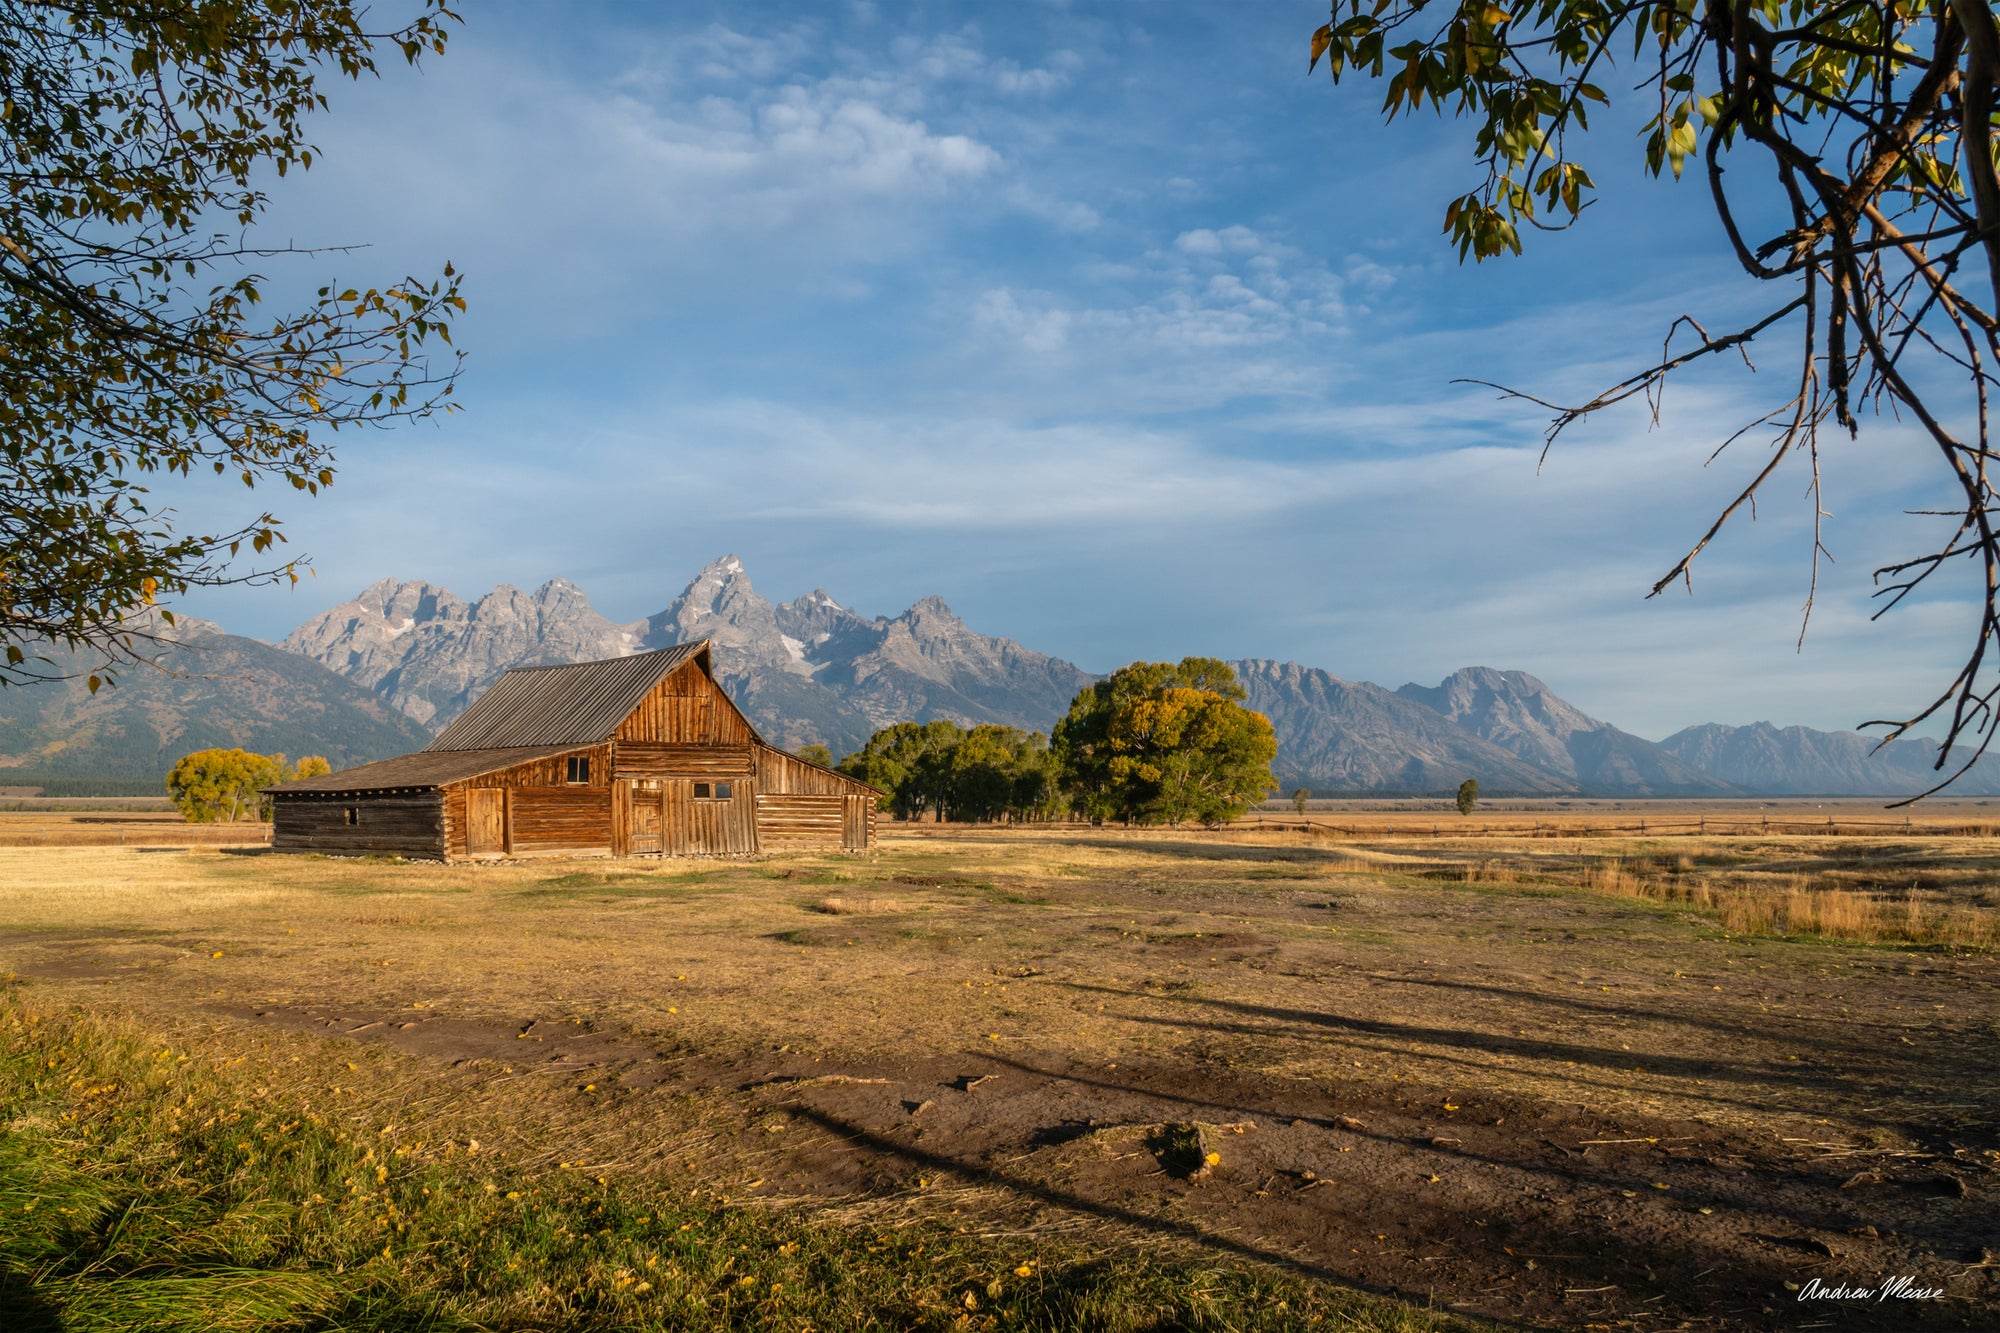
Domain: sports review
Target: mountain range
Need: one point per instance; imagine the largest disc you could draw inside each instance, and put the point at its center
(203, 690)
(807, 670)
(379, 673)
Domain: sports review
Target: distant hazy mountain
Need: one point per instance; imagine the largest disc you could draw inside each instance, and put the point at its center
(209, 689)
(1798, 761)
(1351, 736)
(1520, 714)
(431, 654)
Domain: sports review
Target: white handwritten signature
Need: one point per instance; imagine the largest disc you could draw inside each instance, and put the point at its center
(1895, 1288)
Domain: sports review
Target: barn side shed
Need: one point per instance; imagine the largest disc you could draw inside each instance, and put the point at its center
(634, 756)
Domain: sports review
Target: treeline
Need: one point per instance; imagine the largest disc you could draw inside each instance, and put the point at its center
(1154, 742)
(985, 774)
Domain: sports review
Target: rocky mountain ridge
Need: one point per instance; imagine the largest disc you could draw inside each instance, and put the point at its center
(1343, 735)
(430, 653)
(813, 670)
(806, 671)
(205, 689)
(1519, 714)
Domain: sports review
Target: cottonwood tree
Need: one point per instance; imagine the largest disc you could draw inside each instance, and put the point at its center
(990, 772)
(911, 761)
(1004, 773)
(138, 135)
(222, 786)
(1165, 742)
(1849, 151)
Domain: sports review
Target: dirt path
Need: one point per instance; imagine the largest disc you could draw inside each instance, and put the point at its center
(1501, 1206)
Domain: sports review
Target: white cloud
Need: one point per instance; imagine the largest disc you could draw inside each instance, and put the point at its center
(1219, 315)
(562, 193)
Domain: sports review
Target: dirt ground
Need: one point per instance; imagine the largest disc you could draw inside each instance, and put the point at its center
(1519, 1100)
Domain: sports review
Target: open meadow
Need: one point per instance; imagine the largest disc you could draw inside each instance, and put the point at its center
(1363, 1070)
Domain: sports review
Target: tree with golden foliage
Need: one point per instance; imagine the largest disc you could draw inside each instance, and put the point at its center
(1163, 742)
(222, 786)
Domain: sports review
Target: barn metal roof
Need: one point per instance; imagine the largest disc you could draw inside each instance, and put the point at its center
(422, 770)
(579, 704)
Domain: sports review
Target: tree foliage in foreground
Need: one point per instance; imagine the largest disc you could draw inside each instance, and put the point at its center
(1164, 742)
(986, 774)
(222, 786)
(1468, 796)
(137, 136)
(1849, 150)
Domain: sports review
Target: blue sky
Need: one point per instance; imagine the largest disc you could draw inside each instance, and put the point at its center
(1105, 322)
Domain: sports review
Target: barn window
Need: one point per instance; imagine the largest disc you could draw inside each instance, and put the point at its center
(701, 791)
(721, 791)
(351, 815)
(579, 768)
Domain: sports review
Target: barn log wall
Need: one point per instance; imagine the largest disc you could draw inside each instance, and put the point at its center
(392, 824)
(558, 819)
(800, 823)
(652, 759)
(801, 806)
(541, 773)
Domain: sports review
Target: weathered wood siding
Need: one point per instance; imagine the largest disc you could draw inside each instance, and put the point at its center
(539, 774)
(399, 824)
(708, 827)
(656, 759)
(800, 823)
(687, 708)
(802, 806)
(558, 819)
(857, 828)
(781, 774)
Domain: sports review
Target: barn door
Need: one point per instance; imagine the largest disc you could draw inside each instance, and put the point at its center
(643, 833)
(485, 821)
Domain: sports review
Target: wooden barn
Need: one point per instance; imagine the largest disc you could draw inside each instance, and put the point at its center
(635, 756)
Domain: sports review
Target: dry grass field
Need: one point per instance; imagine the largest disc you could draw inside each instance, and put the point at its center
(1352, 1074)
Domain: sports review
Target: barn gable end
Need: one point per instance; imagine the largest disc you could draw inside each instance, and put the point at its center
(641, 755)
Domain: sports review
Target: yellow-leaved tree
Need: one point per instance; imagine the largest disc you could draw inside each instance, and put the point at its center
(1163, 742)
(221, 786)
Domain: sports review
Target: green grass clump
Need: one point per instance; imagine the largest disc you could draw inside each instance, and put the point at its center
(144, 1187)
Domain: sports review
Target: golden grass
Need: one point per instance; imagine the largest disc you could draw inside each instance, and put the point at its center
(124, 828)
(1807, 903)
